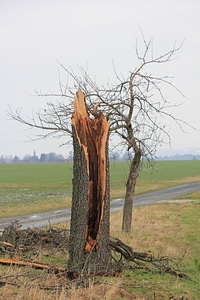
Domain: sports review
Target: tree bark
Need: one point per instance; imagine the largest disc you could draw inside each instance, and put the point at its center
(130, 190)
(89, 232)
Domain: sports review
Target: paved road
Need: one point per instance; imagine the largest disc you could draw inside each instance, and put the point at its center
(57, 216)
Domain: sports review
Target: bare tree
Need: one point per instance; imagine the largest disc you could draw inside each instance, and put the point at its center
(135, 105)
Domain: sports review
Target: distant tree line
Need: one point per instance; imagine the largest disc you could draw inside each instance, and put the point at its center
(180, 157)
(113, 156)
(44, 157)
(53, 157)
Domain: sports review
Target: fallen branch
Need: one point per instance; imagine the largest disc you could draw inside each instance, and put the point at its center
(3, 283)
(14, 240)
(126, 251)
(145, 261)
(30, 263)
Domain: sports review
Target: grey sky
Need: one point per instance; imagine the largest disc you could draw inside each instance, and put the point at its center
(91, 34)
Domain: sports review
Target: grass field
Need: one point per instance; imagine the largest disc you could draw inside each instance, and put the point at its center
(167, 229)
(30, 188)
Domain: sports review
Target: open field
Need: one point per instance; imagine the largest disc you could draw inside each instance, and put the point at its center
(165, 229)
(31, 188)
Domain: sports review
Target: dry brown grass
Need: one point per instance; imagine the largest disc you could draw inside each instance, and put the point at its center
(164, 229)
(104, 291)
(153, 229)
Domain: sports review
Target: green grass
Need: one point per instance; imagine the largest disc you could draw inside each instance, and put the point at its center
(34, 187)
(26, 188)
(36, 174)
(163, 174)
(165, 229)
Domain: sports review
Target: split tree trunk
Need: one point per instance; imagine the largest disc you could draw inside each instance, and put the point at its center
(130, 190)
(90, 219)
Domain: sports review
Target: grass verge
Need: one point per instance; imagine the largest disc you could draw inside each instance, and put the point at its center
(167, 229)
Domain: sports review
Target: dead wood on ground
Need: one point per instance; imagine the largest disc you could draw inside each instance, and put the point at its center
(14, 243)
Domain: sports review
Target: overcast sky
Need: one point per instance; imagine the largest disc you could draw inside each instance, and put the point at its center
(93, 34)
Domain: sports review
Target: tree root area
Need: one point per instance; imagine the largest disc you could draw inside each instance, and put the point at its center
(23, 247)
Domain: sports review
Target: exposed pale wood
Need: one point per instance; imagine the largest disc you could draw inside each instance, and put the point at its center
(92, 134)
(6, 244)
(28, 263)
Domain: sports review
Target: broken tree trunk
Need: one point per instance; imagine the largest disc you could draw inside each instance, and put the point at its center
(89, 232)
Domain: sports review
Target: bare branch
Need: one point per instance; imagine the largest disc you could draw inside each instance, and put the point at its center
(136, 105)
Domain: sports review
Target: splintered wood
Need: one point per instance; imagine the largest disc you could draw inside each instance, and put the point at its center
(92, 134)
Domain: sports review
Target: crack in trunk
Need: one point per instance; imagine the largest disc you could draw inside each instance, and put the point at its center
(92, 135)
